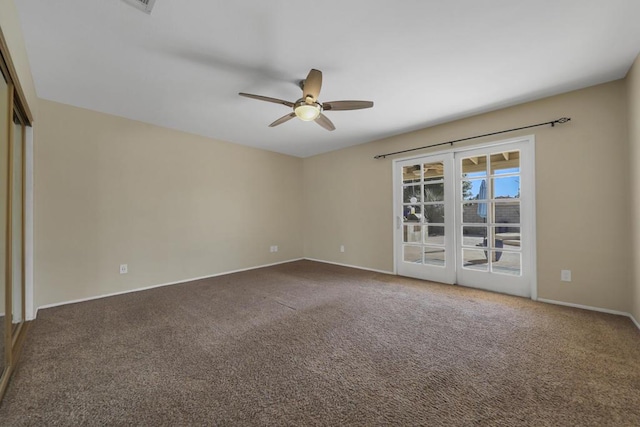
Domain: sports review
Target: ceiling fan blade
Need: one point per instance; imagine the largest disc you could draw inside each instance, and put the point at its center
(283, 119)
(268, 99)
(324, 121)
(312, 85)
(346, 105)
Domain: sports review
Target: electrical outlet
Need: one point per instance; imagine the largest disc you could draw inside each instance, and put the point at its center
(275, 248)
(341, 248)
(124, 269)
(565, 275)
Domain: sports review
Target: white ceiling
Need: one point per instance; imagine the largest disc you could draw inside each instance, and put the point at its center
(422, 62)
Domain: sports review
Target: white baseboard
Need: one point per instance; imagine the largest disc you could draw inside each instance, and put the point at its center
(588, 307)
(548, 301)
(350, 266)
(584, 307)
(57, 304)
(633, 319)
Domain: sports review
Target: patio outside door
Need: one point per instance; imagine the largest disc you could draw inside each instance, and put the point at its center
(466, 217)
(425, 218)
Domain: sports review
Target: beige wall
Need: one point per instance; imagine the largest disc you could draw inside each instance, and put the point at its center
(10, 25)
(633, 82)
(171, 205)
(580, 168)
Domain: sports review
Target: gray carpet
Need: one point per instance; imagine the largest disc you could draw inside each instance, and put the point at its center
(314, 344)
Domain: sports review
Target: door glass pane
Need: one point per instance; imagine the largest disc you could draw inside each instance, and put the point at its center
(411, 174)
(507, 162)
(506, 187)
(413, 213)
(434, 192)
(507, 213)
(433, 171)
(474, 189)
(434, 234)
(412, 254)
(474, 167)
(474, 259)
(16, 226)
(412, 194)
(4, 157)
(412, 234)
(474, 213)
(434, 256)
(505, 262)
(474, 236)
(509, 236)
(434, 213)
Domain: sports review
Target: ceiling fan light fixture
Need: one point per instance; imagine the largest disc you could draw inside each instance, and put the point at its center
(307, 112)
(308, 108)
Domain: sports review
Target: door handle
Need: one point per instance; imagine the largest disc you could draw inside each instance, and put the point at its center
(397, 223)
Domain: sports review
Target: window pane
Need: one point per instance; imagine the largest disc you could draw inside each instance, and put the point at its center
(433, 171)
(474, 259)
(506, 188)
(411, 174)
(507, 263)
(474, 189)
(474, 167)
(474, 236)
(509, 236)
(434, 192)
(507, 213)
(434, 213)
(434, 256)
(474, 213)
(434, 234)
(412, 254)
(412, 194)
(412, 234)
(413, 213)
(507, 162)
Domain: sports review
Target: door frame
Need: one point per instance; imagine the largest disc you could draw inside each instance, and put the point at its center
(529, 140)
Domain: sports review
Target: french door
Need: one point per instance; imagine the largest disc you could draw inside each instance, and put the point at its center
(425, 218)
(466, 217)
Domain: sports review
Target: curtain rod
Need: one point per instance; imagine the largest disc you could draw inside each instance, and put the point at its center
(552, 123)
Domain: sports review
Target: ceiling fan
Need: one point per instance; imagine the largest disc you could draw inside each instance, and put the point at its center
(308, 108)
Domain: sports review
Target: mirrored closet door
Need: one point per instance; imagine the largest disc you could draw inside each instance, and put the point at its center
(13, 123)
(16, 152)
(5, 109)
